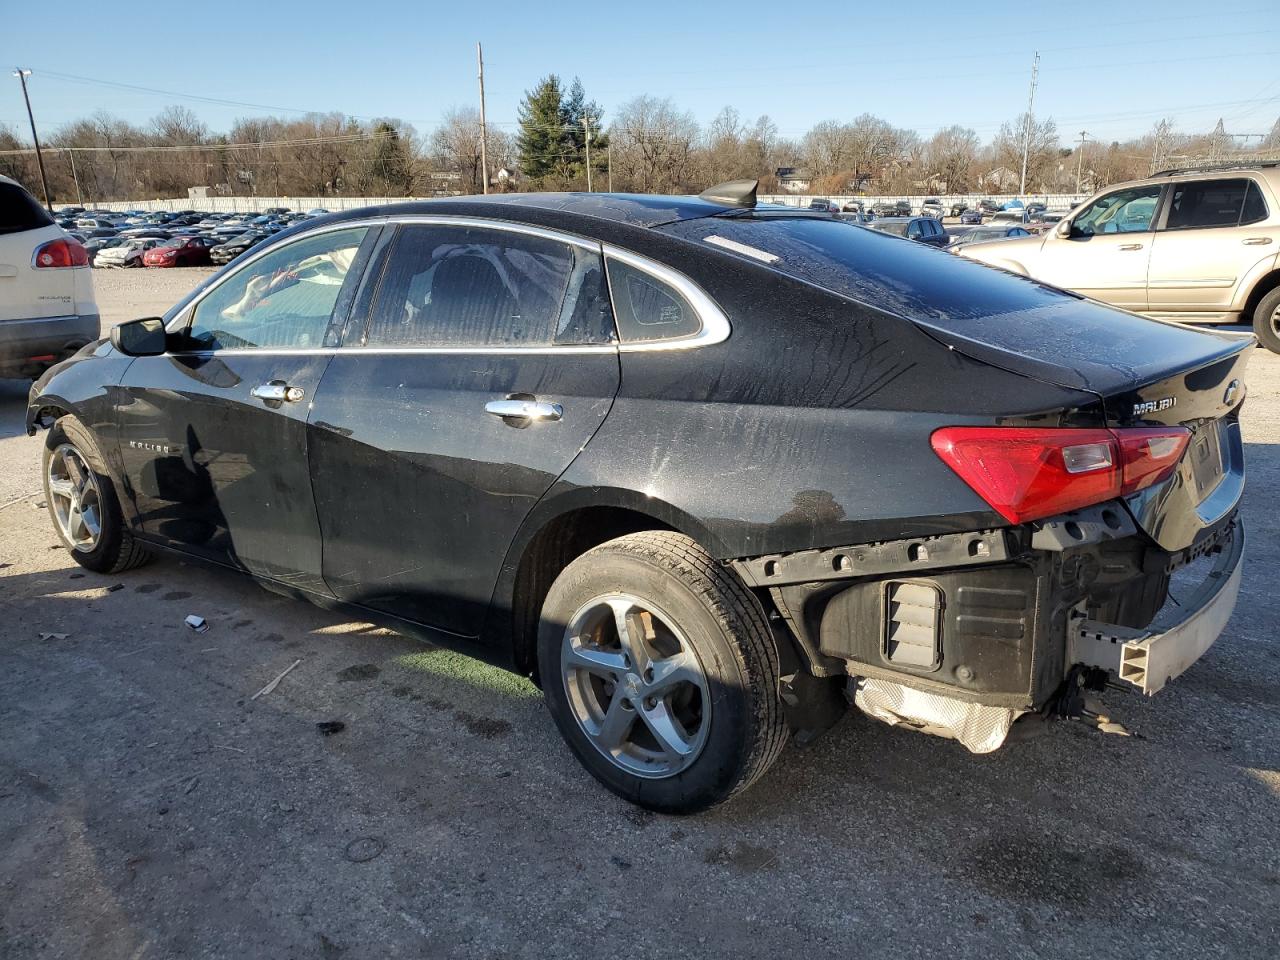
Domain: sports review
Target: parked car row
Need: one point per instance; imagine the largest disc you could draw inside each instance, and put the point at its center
(127, 238)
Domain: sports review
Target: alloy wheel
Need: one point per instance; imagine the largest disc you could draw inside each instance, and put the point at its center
(635, 686)
(75, 498)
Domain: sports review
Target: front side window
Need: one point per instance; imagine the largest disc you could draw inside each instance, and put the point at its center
(1125, 211)
(647, 308)
(283, 300)
(1206, 203)
(464, 286)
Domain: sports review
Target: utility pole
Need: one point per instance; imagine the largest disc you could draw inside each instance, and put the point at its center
(608, 159)
(484, 131)
(44, 181)
(71, 155)
(586, 139)
(1080, 160)
(1029, 123)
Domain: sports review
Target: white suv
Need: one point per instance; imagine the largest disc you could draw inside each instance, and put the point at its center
(1199, 246)
(47, 310)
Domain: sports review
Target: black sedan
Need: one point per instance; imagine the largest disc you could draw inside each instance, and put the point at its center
(957, 237)
(700, 468)
(921, 229)
(224, 251)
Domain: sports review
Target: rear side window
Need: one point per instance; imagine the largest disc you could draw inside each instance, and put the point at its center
(1255, 208)
(19, 210)
(1206, 203)
(647, 309)
(455, 286)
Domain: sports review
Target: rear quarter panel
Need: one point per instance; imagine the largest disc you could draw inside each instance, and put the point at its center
(809, 426)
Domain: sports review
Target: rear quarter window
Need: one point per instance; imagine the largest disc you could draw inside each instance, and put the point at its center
(19, 210)
(647, 309)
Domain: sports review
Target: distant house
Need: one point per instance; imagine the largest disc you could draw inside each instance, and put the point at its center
(999, 180)
(793, 179)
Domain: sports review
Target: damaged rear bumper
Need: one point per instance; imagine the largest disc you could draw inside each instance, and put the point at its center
(1148, 659)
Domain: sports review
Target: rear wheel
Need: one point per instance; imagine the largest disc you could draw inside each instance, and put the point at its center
(661, 672)
(1266, 321)
(82, 501)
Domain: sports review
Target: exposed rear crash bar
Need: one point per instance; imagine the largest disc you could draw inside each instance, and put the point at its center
(1149, 659)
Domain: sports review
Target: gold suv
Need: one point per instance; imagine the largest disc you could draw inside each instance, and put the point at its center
(1193, 245)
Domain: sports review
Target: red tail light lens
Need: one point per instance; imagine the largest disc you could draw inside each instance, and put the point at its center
(1149, 455)
(1026, 473)
(63, 252)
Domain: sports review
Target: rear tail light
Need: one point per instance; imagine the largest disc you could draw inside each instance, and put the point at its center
(63, 252)
(1026, 473)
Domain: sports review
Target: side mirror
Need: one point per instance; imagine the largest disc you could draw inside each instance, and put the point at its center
(1063, 229)
(140, 338)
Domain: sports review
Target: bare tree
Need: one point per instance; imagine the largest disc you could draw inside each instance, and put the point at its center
(950, 156)
(1042, 148)
(454, 147)
(652, 145)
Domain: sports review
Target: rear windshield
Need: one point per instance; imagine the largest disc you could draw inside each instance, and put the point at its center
(19, 210)
(897, 229)
(913, 280)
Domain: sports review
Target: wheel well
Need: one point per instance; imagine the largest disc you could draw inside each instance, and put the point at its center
(552, 549)
(1260, 289)
(48, 415)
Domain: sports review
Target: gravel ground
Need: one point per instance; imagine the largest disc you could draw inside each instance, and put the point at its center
(150, 808)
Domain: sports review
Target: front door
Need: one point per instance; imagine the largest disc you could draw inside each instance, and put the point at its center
(213, 434)
(1207, 245)
(1107, 254)
(486, 365)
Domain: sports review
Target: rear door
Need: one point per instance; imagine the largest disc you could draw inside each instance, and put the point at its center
(1109, 249)
(213, 435)
(1211, 238)
(421, 482)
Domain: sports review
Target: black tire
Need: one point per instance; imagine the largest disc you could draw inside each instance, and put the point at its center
(116, 549)
(1266, 321)
(727, 629)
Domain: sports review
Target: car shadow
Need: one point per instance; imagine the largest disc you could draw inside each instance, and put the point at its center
(13, 407)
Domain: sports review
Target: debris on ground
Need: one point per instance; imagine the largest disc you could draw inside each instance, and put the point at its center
(276, 682)
(198, 624)
(329, 727)
(364, 849)
(114, 587)
(39, 504)
(54, 636)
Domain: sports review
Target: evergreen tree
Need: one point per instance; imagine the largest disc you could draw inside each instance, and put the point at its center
(582, 114)
(542, 126)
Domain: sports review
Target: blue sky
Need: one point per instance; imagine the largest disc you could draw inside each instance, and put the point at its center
(1111, 68)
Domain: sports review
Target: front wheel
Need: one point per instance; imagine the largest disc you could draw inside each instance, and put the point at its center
(82, 501)
(661, 672)
(1266, 321)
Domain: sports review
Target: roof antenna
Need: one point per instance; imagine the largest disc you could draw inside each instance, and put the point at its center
(733, 193)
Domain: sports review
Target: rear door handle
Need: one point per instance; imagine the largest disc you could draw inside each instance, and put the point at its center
(1256, 241)
(1130, 246)
(278, 391)
(524, 410)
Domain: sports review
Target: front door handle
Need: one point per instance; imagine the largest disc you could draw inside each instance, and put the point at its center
(277, 391)
(1130, 246)
(1255, 241)
(528, 410)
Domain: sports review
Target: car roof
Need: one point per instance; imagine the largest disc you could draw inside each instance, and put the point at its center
(637, 210)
